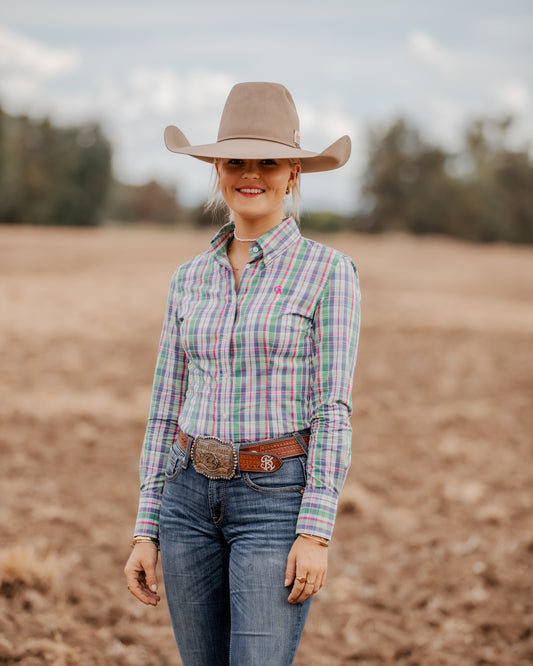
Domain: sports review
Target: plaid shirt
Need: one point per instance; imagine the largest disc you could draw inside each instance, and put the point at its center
(273, 357)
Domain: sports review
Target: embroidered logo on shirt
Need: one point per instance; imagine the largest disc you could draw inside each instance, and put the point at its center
(277, 289)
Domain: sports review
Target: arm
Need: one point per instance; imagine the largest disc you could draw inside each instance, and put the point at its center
(170, 383)
(169, 387)
(336, 333)
(337, 323)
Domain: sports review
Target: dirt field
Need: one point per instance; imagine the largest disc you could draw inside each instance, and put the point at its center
(431, 563)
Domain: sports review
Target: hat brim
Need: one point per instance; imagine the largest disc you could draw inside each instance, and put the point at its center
(333, 157)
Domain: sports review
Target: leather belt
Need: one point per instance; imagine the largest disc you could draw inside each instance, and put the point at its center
(217, 459)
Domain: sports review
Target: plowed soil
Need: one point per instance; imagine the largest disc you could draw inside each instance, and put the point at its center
(432, 558)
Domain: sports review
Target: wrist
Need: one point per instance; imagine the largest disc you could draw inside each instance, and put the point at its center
(321, 541)
(144, 539)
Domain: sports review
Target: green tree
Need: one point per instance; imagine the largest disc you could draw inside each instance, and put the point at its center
(406, 185)
(498, 183)
(482, 192)
(50, 175)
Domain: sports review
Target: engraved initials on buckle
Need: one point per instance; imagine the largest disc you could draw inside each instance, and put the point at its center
(214, 458)
(267, 463)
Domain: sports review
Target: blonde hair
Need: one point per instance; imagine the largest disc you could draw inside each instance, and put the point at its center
(216, 202)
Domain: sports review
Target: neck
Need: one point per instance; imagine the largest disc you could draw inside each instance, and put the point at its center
(254, 229)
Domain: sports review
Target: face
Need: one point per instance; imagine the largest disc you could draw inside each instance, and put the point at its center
(254, 189)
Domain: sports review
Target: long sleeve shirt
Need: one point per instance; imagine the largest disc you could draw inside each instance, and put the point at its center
(275, 356)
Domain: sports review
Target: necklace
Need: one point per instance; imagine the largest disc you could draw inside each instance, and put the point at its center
(244, 240)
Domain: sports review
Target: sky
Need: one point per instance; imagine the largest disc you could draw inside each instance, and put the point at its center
(136, 66)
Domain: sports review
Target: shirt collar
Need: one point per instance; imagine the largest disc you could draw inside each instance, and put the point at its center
(268, 246)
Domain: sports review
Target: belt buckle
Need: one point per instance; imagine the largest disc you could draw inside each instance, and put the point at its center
(214, 458)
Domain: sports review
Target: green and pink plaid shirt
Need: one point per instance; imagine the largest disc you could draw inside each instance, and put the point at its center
(273, 357)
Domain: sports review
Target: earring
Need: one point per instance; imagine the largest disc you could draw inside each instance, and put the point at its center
(288, 190)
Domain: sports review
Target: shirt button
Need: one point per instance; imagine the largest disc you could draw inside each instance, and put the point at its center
(255, 250)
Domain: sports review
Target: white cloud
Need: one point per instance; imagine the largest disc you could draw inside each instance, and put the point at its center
(19, 53)
(146, 68)
(145, 94)
(446, 118)
(324, 122)
(26, 68)
(514, 96)
(429, 51)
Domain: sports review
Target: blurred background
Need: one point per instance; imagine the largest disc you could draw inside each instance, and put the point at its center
(438, 100)
(431, 560)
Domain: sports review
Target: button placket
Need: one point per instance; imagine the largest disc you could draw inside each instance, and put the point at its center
(225, 367)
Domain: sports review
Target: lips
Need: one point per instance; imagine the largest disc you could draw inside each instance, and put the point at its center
(250, 190)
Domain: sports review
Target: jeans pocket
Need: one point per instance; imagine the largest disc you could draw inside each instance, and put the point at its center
(289, 478)
(174, 462)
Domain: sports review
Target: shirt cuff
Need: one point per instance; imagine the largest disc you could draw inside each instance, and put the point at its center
(317, 513)
(147, 523)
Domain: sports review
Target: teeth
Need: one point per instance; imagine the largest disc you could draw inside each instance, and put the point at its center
(250, 190)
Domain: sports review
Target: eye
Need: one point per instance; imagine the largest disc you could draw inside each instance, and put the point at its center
(235, 162)
(269, 162)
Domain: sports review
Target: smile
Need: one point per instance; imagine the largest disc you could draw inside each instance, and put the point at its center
(250, 190)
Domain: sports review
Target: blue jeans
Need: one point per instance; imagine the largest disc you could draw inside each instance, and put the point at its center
(224, 547)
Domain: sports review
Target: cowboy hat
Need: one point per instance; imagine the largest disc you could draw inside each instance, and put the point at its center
(259, 121)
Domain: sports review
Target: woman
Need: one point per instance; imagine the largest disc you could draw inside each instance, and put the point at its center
(248, 439)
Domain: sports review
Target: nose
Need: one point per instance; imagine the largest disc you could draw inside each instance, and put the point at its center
(251, 169)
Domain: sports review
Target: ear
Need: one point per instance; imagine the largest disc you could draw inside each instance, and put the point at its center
(296, 170)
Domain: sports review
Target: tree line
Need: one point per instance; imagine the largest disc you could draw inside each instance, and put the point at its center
(482, 191)
(63, 176)
(50, 175)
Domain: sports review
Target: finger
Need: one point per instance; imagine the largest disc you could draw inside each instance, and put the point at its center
(136, 583)
(140, 590)
(290, 571)
(298, 588)
(139, 581)
(304, 590)
(322, 579)
(299, 595)
(150, 577)
(318, 583)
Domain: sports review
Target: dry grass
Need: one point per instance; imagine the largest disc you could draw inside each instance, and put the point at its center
(25, 565)
(431, 560)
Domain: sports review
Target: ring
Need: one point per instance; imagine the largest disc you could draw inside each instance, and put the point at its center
(301, 579)
(310, 582)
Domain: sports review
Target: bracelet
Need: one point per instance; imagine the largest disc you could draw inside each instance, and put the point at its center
(320, 540)
(144, 539)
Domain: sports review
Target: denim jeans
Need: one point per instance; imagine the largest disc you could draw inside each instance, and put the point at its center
(224, 547)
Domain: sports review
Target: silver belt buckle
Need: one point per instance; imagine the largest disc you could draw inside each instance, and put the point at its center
(214, 458)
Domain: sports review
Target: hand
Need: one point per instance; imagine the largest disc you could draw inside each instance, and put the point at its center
(140, 573)
(309, 560)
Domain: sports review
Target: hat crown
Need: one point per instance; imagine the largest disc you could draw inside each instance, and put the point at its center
(259, 110)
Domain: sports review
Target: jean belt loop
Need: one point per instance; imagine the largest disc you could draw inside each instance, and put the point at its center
(301, 441)
(185, 463)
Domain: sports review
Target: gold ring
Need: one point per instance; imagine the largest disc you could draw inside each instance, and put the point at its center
(301, 579)
(310, 582)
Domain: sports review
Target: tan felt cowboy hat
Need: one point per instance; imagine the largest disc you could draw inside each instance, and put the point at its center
(259, 121)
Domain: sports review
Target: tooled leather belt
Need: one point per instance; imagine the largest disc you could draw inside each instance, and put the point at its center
(217, 459)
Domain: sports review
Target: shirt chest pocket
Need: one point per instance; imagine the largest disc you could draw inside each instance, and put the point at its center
(296, 319)
(289, 331)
